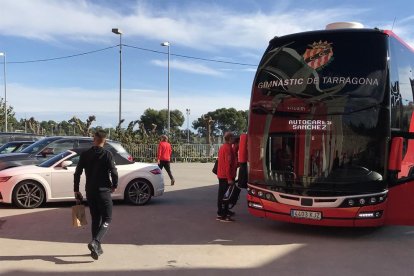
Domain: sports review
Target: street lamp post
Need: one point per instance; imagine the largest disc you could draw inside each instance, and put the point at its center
(5, 91)
(188, 125)
(167, 44)
(119, 32)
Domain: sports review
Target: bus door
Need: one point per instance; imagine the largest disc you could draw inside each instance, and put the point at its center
(281, 158)
(400, 202)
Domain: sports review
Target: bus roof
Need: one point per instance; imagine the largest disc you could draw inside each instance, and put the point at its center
(316, 32)
(387, 32)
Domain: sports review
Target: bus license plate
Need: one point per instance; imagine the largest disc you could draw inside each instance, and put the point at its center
(306, 214)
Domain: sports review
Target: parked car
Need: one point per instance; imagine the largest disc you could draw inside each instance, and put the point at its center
(52, 181)
(15, 146)
(51, 146)
(6, 137)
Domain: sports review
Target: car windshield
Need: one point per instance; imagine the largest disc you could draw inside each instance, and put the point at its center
(319, 101)
(7, 148)
(50, 162)
(37, 146)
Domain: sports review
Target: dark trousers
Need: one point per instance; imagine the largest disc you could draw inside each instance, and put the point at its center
(222, 207)
(166, 165)
(100, 207)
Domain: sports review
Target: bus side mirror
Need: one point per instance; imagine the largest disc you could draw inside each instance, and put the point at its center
(396, 152)
(243, 162)
(243, 148)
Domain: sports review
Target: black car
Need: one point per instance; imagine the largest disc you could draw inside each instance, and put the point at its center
(51, 146)
(6, 137)
(15, 146)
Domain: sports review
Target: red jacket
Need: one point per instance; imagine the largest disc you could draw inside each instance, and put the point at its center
(164, 151)
(226, 163)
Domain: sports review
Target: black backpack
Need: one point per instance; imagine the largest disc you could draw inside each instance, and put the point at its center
(232, 195)
(215, 167)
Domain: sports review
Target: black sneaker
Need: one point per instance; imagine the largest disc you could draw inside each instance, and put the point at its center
(94, 248)
(231, 213)
(225, 219)
(172, 182)
(100, 251)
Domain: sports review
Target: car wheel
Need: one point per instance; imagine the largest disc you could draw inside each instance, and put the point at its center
(28, 194)
(138, 192)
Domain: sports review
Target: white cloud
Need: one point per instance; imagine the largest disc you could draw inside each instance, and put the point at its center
(63, 103)
(186, 66)
(195, 26)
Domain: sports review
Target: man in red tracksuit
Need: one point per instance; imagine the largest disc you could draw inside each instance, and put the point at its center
(226, 173)
(164, 156)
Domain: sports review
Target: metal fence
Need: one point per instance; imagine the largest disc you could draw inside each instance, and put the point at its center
(180, 152)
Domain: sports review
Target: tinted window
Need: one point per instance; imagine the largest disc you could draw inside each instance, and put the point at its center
(53, 160)
(319, 99)
(62, 145)
(324, 67)
(39, 145)
(118, 147)
(85, 143)
(121, 156)
(401, 84)
(9, 147)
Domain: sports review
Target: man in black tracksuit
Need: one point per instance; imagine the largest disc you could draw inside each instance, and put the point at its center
(98, 163)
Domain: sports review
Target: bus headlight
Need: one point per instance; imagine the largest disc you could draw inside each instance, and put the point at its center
(261, 194)
(370, 215)
(363, 201)
(255, 205)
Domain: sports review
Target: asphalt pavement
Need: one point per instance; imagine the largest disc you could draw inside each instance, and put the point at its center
(177, 234)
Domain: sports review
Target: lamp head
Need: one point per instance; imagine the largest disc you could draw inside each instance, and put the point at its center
(165, 44)
(117, 31)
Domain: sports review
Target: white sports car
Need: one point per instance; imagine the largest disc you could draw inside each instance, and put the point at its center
(52, 181)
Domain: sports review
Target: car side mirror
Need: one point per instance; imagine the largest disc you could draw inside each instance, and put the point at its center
(396, 152)
(65, 164)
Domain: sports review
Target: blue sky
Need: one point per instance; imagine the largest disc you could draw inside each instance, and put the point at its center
(234, 30)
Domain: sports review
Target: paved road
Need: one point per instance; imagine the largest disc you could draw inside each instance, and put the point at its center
(177, 234)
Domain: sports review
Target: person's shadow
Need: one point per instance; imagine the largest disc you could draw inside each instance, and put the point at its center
(53, 259)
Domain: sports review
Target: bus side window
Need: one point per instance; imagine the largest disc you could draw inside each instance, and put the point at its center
(407, 160)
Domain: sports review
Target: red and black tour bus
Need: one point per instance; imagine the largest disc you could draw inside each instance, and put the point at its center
(331, 130)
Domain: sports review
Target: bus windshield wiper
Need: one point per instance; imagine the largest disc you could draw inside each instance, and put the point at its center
(353, 111)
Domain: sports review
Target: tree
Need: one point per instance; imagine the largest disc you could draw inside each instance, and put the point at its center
(34, 125)
(152, 117)
(11, 120)
(65, 128)
(176, 118)
(222, 120)
(83, 127)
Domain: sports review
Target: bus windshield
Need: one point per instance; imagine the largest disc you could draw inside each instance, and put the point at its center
(321, 100)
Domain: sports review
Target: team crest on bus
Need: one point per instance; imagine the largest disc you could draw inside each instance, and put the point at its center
(318, 55)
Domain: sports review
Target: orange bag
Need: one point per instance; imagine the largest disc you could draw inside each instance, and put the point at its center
(78, 215)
